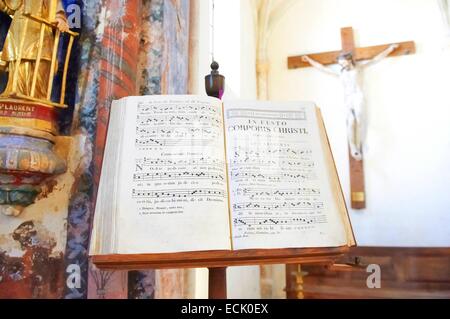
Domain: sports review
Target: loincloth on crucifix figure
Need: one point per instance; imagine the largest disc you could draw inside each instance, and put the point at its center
(50, 10)
(350, 76)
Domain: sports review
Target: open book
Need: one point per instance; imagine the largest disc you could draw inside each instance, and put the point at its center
(190, 173)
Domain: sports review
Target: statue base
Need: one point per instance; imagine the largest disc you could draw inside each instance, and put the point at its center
(27, 155)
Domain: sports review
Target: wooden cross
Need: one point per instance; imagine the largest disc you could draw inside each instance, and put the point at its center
(358, 194)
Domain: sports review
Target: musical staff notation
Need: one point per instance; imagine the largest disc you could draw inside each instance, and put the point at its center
(248, 154)
(174, 132)
(203, 161)
(147, 142)
(255, 192)
(177, 193)
(272, 177)
(291, 221)
(302, 205)
(179, 175)
(272, 163)
(144, 108)
(158, 119)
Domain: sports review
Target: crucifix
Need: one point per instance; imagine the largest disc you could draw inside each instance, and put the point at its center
(351, 60)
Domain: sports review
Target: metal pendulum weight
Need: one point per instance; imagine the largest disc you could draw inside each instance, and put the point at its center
(215, 82)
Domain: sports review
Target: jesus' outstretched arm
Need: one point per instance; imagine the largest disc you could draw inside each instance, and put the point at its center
(319, 66)
(380, 56)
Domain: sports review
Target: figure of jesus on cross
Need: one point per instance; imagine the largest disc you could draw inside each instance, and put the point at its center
(351, 61)
(349, 74)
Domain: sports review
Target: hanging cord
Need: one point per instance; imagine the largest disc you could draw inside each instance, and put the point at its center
(212, 30)
(214, 82)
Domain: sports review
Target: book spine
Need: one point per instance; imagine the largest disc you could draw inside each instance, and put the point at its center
(227, 176)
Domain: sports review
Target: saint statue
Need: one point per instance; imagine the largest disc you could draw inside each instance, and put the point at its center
(349, 74)
(28, 120)
(50, 10)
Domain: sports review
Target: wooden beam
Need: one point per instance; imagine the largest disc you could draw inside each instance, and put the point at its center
(357, 183)
(217, 287)
(327, 58)
(357, 187)
(367, 53)
(219, 259)
(347, 39)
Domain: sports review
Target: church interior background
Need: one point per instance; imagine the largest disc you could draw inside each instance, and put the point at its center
(145, 47)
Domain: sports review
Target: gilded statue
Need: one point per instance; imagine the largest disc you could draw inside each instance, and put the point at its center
(50, 10)
(30, 153)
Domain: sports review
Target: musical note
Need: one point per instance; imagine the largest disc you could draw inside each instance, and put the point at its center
(174, 132)
(252, 193)
(275, 177)
(271, 163)
(157, 162)
(302, 205)
(176, 193)
(251, 221)
(146, 142)
(152, 109)
(158, 119)
(180, 175)
(268, 153)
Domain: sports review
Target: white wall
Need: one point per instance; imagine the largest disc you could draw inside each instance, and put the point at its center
(234, 44)
(408, 158)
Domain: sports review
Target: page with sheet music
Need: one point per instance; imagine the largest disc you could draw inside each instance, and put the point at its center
(280, 193)
(173, 176)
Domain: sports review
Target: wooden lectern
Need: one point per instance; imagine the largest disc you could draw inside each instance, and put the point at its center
(218, 261)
